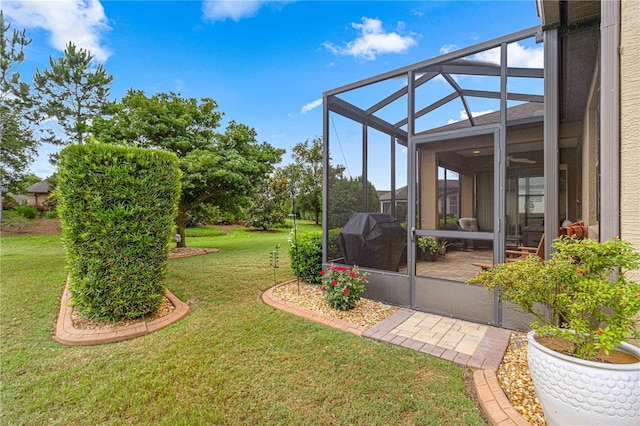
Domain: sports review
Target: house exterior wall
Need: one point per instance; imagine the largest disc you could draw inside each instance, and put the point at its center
(629, 123)
(36, 199)
(428, 187)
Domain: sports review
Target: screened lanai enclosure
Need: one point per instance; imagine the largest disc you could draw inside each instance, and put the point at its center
(470, 148)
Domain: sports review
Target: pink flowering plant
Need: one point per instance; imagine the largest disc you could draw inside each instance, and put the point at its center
(342, 286)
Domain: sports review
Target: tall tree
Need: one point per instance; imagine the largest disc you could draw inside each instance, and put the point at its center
(19, 146)
(345, 198)
(308, 171)
(73, 91)
(220, 169)
(271, 203)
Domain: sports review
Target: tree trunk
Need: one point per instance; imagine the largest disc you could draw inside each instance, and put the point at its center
(318, 209)
(181, 223)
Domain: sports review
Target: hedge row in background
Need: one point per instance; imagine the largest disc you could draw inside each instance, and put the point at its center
(117, 207)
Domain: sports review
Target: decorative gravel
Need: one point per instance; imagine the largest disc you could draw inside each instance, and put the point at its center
(515, 379)
(367, 312)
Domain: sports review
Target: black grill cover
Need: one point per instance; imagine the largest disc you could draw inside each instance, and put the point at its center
(373, 240)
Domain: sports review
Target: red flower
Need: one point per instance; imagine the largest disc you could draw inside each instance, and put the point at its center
(322, 272)
(345, 291)
(321, 288)
(334, 282)
(599, 332)
(351, 274)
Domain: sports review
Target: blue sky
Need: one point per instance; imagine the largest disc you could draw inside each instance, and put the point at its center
(266, 63)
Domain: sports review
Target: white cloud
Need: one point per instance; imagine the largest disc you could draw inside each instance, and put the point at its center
(232, 9)
(311, 105)
(373, 41)
(465, 116)
(448, 48)
(517, 54)
(81, 22)
(220, 10)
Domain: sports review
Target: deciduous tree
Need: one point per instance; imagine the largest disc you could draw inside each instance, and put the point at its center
(270, 205)
(220, 169)
(307, 156)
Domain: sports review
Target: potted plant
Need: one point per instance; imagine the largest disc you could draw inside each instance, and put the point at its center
(430, 247)
(582, 369)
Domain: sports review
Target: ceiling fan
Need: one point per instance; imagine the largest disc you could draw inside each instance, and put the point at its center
(511, 158)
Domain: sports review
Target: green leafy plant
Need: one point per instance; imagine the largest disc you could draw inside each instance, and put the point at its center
(12, 219)
(342, 286)
(431, 244)
(592, 304)
(117, 207)
(28, 212)
(306, 256)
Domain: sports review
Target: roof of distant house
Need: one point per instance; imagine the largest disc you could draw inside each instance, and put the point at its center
(401, 195)
(528, 112)
(18, 197)
(41, 187)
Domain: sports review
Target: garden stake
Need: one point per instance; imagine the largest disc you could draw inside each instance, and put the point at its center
(274, 263)
(295, 226)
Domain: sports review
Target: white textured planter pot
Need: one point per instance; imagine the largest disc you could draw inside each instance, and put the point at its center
(577, 392)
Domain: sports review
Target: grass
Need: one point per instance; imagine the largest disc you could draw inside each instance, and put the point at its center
(233, 360)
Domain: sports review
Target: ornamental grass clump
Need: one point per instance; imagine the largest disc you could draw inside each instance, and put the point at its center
(591, 301)
(342, 286)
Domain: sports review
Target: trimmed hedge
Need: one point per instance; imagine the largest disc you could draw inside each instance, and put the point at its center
(117, 207)
(307, 262)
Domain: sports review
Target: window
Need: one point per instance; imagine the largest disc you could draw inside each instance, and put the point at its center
(448, 197)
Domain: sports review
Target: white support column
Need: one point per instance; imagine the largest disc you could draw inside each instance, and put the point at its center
(609, 119)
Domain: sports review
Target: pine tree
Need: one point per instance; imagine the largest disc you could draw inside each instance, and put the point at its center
(19, 146)
(73, 91)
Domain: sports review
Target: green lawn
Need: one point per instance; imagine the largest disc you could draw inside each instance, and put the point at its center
(233, 360)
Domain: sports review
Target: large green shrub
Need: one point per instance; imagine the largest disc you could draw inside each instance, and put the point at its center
(117, 207)
(28, 212)
(306, 262)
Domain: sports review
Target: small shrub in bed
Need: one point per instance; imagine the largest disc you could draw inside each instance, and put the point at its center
(307, 261)
(28, 212)
(342, 286)
(117, 207)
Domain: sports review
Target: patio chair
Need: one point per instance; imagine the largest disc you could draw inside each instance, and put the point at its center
(522, 252)
(469, 224)
(518, 254)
